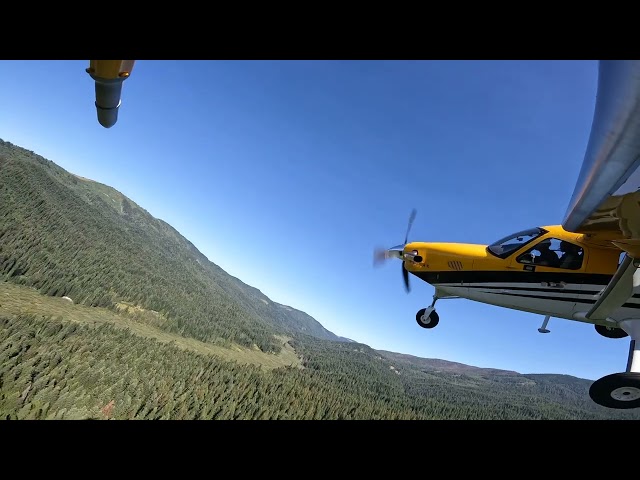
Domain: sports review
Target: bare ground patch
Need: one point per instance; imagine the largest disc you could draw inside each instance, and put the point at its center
(17, 299)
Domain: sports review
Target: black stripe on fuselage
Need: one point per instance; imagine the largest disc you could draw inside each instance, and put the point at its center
(562, 298)
(548, 297)
(521, 276)
(537, 289)
(548, 289)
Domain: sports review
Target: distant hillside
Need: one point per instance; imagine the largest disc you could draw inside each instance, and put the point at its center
(532, 395)
(69, 236)
(437, 365)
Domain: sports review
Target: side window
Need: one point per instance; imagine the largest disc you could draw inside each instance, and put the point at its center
(553, 252)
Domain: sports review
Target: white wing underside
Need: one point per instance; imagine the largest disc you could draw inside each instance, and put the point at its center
(606, 197)
(606, 201)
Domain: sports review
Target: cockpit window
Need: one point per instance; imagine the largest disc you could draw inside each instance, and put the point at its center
(555, 253)
(507, 245)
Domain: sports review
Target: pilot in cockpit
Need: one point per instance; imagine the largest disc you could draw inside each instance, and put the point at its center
(571, 258)
(547, 256)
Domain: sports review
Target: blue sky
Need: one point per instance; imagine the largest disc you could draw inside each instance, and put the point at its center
(287, 174)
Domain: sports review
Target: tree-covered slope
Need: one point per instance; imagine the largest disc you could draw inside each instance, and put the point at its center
(69, 236)
(53, 368)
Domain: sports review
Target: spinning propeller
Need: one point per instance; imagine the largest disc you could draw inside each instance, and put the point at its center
(380, 255)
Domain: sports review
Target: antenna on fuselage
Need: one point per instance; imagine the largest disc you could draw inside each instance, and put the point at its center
(543, 328)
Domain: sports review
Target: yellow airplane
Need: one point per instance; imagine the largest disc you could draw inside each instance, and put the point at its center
(585, 269)
(109, 76)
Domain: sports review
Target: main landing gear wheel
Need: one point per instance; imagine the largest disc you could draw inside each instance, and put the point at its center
(427, 321)
(619, 390)
(611, 332)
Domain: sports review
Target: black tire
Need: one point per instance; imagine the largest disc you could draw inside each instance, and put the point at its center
(611, 332)
(618, 390)
(434, 318)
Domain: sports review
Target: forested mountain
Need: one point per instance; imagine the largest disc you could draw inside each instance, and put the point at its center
(151, 329)
(69, 236)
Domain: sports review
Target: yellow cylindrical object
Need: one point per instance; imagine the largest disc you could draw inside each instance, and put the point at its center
(108, 76)
(109, 69)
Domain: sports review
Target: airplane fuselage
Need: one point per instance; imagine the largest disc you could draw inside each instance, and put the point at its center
(507, 275)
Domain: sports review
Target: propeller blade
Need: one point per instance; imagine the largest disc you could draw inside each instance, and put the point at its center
(412, 217)
(380, 254)
(405, 277)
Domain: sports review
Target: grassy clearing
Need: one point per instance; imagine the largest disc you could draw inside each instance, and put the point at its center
(17, 299)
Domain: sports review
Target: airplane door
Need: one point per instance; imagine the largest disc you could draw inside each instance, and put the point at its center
(548, 282)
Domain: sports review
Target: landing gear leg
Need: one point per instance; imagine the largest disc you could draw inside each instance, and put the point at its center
(622, 390)
(435, 299)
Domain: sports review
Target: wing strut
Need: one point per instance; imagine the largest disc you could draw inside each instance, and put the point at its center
(619, 290)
